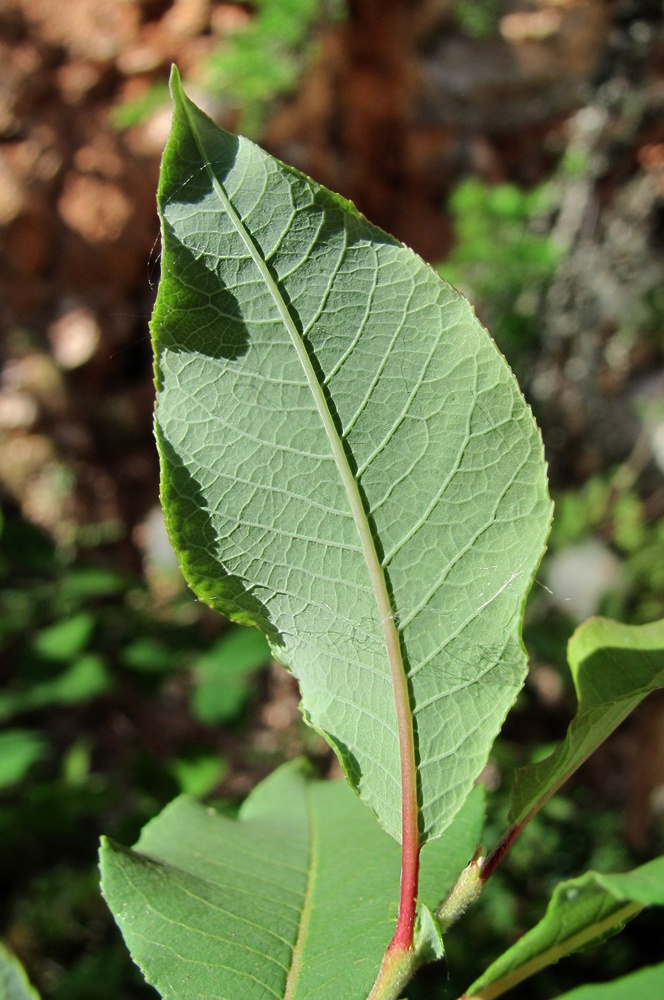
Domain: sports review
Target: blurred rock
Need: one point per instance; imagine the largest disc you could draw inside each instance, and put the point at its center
(35, 374)
(187, 18)
(148, 138)
(141, 58)
(91, 30)
(76, 80)
(74, 337)
(94, 208)
(580, 576)
(532, 72)
(153, 539)
(12, 197)
(17, 410)
(32, 474)
(657, 444)
(160, 564)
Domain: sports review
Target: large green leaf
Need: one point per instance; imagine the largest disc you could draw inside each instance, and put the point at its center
(614, 667)
(14, 983)
(347, 463)
(582, 911)
(645, 984)
(297, 898)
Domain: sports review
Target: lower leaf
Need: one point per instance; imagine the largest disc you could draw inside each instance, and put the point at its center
(296, 899)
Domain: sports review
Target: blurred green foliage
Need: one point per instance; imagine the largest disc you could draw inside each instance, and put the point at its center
(264, 59)
(259, 61)
(69, 633)
(478, 18)
(223, 674)
(108, 689)
(504, 260)
(19, 750)
(134, 111)
(609, 508)
(506, 287)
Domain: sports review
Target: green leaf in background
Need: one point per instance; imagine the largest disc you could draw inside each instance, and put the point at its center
(614, 667)
(582, 911)
(14, 983)
(76, 763)
(150, 655)
(222, 675)
(645, 984)
(347, 463)
(85, 582)
(199, 773)
(296, 898)
(86, 678)
(263, 59)
(19, 750)
(65, 639)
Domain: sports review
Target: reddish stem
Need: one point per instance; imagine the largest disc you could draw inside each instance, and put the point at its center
(500, 850)
(402, 939)
(410, 831)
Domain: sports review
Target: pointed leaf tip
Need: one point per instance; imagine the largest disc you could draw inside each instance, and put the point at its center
(175, 81)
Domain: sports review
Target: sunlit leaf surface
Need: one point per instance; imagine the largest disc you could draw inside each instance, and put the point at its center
(343, 449)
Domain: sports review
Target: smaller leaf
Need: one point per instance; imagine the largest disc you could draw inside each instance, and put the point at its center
(614, 666)
(645, 984)
(14, 983)
(429, 945)
(582, 911)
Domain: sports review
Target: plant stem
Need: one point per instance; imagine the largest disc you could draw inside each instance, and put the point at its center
(396, 969)
(500, 850)
(410, 867)
(400, 961)
(463, 893)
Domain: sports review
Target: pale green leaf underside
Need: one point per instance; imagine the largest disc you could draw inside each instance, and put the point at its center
(298, 346)
(646, 984)
(297, 899)
(581, 911)
(614, 667)
(14, 984)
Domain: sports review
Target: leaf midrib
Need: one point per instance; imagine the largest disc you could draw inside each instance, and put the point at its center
(410, 807)
(305, 916)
